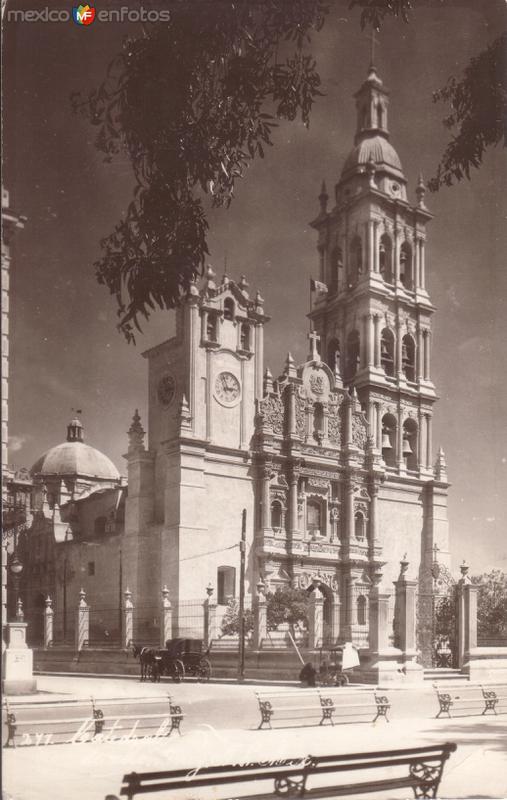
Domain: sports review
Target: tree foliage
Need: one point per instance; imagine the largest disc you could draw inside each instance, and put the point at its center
(287, 605)
(192, 102)
(492, 602)
(478, 110)
(230, 621)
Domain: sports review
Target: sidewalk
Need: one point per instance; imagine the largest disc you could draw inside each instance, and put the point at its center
(220, 722)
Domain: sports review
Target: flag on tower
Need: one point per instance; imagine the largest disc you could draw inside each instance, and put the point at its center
(318, 286)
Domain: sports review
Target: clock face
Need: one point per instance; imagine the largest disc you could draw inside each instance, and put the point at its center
(166, 389)
(227, 388)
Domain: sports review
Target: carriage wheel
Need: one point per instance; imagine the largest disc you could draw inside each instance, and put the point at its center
(204, 670)
(178, 671)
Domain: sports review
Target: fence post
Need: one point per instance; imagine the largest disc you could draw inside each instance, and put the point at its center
(48, 623)
(210, 616)
(315, 620)
(166, 627)
(260, 616)
(83, 622)
(128, 619)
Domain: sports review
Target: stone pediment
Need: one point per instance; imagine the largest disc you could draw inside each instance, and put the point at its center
(317, 381)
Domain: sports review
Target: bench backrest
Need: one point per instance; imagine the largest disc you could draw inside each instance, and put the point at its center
(151, 782)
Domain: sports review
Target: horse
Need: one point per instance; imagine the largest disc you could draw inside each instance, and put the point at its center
(148, 660)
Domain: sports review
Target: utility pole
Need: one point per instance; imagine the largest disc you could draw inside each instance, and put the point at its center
(242, 551)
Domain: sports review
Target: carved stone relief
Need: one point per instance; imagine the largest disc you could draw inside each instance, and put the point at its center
(272, 411)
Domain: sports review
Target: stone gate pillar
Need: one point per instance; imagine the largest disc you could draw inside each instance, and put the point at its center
(260, 630)
(166, 618)
(405, 623)
(83, 621)
(48, 623)
(315, 620)
(467, 616)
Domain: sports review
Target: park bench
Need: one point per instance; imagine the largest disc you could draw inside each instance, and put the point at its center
(29, 724)
(418, 768)
(470, 700)
(321, 705)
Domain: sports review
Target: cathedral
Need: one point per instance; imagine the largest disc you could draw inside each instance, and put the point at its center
(332, 460)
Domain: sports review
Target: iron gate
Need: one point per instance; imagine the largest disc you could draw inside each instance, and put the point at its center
(437, 621)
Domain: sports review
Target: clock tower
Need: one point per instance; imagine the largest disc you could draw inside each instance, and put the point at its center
(202, 384)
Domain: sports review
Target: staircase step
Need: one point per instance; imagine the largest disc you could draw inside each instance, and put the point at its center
(444, 674)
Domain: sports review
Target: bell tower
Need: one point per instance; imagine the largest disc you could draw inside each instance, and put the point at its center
(374, 322)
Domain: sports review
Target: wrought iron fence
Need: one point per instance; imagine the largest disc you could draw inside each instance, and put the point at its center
(104, 627)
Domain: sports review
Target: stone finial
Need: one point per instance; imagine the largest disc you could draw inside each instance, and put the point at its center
(193, 291)
(290, 367)
(128, 598)
(82, 598)
(259, 303)
(440, 469)
(370, 171)
(185, 415)
(19, 610)
(210, 589)
(225, 280)
(420, 191)
(261, 587)
(323, 198)
(268, 382)
(49, 604)
(166, 603)
(136, 433)
(243, 285)
(403, 567)
(465, 577)
(210, 284)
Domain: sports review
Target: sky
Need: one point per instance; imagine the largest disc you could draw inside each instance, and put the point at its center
(65, 350)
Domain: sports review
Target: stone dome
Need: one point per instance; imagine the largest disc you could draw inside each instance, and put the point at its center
(379, 150)
(74, 457)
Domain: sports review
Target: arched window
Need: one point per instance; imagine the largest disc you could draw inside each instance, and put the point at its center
(99, 526)
(361, 610)
(387, 351)
(276, 514)
(229, 308)
(408, 357)
(385, 258)
(410, 445)
(211, 328)
(226, 584)
(333, 355)
(389, 440)
(406, 277)
(313, 517)
(245, 337)
(353, 350)
(359, 525)
(318, 422)
(355, 262)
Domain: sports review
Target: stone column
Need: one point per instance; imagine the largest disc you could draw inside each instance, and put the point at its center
(427, 342)
(370, 341)
(335, 617)
(292, 410)
(293, 503)
(266, 476)
(405, 622)
(128, 619)
(48, 623)
(82, 622)
(260, 630)
(422, 266)
(376, 265)
(429, 456)
(349, 511)
(420, 354)
(210, 617)
(166, 618)
(467, 616)
(399, 346)
(373, 522)
(376, 340)
(315, 620)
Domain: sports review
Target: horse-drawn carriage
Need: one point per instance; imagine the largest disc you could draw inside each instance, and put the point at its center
(181, 658)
